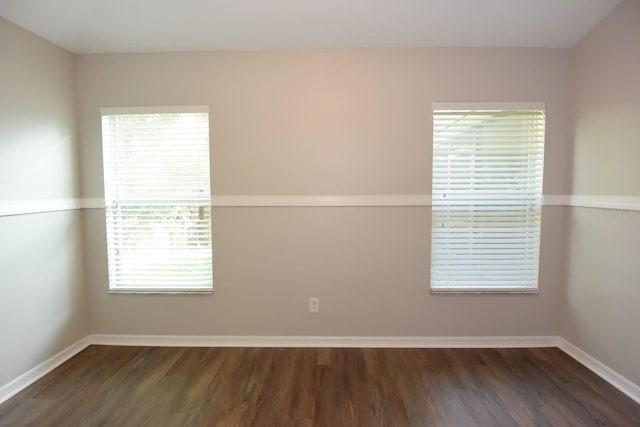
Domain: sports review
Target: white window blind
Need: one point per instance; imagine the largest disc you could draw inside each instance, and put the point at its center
(486, 198)
(158, 199)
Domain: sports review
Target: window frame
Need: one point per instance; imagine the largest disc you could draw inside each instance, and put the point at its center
(202, 201)
(498, 106)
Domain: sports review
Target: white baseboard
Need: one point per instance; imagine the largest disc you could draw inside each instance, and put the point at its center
(603, 371)
(370, 200)
(319, 341)
(618, 381)
(18, 384)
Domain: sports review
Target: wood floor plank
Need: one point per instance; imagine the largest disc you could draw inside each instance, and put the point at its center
(147, 386)
(385, 399)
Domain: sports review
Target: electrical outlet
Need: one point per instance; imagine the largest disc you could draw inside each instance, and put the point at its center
(314, 305)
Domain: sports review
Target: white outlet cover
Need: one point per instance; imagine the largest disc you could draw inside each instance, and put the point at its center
(314, 305)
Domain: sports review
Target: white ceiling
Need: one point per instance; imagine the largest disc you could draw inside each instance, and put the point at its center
(101, 26)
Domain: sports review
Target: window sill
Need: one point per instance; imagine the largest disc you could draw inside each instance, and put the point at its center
(162, 291)
(483, 291)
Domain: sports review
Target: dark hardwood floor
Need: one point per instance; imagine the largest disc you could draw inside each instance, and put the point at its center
(148, 386)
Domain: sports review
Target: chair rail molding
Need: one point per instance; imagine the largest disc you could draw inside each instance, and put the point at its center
(25, 207)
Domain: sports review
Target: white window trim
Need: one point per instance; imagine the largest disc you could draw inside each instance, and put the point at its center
(497, 105)
(164, 109)
(493, 105)
(163, 290)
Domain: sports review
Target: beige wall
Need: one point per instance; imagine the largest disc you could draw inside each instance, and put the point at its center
(324, 122)
(41, 294)
(321, 122)
(601, 312)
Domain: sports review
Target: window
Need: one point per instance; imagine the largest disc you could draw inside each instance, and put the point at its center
(158, 199)
(486, 197)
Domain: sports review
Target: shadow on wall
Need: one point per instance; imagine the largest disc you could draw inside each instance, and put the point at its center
(42, 308)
